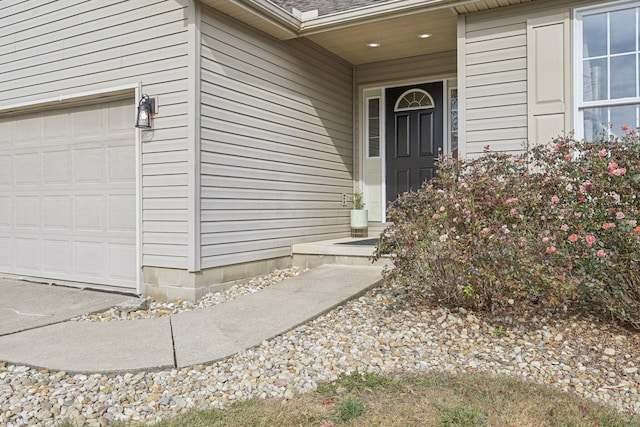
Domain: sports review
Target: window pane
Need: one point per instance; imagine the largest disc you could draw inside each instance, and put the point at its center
(374, 127)
(623, 31)
(621, 116)
(454, 120)
(600, 122)
(623, 76)
(595, 80)
(595, 123)
(594, 36)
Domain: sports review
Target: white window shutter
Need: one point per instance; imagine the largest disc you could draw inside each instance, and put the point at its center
(548, 78)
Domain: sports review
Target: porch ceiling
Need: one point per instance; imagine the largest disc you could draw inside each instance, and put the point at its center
(395, 24)
(398, 37)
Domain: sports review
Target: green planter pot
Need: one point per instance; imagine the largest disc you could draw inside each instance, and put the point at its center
(359, 218)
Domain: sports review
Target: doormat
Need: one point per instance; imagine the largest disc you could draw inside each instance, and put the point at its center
(366, 242)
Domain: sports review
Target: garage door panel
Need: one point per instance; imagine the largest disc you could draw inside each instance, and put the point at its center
(57, 167)
(122, 262)
(119, 118)
(6, 211)
(28, 130)
(27, 169)
(27, 212)
(87, 166)
(6, 253)
(56, 127)
(68, 194)
(90, 257)
(6, 133)
(122, 164)
(6, 170)
(88, 123)
(57, 213)
(57, 256)
(119, 208)
(28, 255)
(88, 211)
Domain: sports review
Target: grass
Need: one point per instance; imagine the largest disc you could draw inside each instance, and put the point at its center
(366, 399)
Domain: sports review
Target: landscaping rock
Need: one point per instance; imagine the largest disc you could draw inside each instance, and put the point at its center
(365, 334)
(133, 305)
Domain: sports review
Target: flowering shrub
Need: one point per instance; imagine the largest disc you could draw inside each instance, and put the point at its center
(552, 227)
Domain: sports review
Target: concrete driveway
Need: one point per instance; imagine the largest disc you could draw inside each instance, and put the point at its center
(26, 305)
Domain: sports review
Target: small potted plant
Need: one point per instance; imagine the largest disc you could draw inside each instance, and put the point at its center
(359, 217)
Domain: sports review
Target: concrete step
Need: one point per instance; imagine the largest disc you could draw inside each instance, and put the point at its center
(346, 251)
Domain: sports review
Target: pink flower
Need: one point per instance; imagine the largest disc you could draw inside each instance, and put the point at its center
(625, 128)
(435, 216)
(612, 165)
(603, 153)
(551, 249)
(586, 186)
(545, 239)
(555, 199)
(577, 214)
(484, 230)
(443, 238)
(591, 239)
(637, 229)
(608, 225)
(573, 238)
(564, 227)
(513, 211)
(619, 215)
(633, 222)
(618, 172)
(601, 254)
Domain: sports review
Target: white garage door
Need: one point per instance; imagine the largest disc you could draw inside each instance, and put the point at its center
(68, 194)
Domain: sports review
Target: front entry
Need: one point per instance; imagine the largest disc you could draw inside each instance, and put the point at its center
(414, 136)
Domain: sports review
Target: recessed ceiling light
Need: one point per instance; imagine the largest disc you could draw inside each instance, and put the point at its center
(424, 35)
(374, 44)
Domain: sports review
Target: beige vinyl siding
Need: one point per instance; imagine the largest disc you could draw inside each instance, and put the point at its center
(496, 83)
(437, 65)
(66, 47)
(276, 143)
(497, 53)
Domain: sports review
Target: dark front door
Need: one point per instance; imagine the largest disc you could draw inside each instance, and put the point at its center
(414, 136)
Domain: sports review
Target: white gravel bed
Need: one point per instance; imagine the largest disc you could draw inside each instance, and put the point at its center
(595, 360)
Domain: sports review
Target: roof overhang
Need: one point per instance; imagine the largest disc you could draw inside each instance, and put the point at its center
(346, 33)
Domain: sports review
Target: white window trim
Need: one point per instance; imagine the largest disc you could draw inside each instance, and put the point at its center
(423, 92)
(579, 103)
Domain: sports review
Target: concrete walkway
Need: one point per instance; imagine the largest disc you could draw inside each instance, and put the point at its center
(184, 339)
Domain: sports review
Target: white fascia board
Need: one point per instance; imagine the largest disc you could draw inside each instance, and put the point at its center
(270, 11)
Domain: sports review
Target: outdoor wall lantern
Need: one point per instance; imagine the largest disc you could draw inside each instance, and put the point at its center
(146, 107)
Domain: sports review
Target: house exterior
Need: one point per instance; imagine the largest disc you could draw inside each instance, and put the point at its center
(268, 114)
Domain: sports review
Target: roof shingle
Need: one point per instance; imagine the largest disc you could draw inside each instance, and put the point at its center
(324, 7)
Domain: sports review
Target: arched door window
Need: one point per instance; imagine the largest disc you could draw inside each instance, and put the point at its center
(414, 99)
